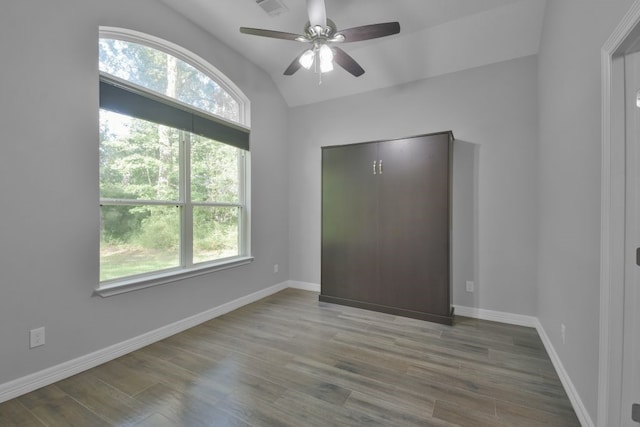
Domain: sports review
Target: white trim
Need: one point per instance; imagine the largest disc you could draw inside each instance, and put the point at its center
(534, 322)
(64, 370)
(611, 243)
(186, 269)
(187, 56)
(154, 95)
(570, 389)
(496, 316)
(305, 286)
(134, 283)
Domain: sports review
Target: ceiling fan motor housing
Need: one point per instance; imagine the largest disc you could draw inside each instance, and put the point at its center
(319, 32)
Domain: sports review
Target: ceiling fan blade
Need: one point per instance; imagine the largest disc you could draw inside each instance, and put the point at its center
(272, 34)
(294, 66)
(347, 62)
(317, 13)
(368, 32)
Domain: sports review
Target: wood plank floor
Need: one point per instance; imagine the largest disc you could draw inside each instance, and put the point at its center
(289, 360)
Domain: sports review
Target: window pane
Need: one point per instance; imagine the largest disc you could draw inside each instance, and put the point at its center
(215, 233)
(214, 171)
(138, 239)
(166, 74)
(139, 160)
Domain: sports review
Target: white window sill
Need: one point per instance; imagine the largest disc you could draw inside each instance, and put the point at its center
(135, 283)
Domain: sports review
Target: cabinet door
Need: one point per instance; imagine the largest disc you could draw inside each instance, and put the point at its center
(349, 222)
(413, 240)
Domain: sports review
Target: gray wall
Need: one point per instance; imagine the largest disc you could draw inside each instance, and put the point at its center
(569, 181)
(49, 220)
(526, 209)
(492, 111)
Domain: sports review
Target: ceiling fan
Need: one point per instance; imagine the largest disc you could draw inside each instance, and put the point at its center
(322, 34)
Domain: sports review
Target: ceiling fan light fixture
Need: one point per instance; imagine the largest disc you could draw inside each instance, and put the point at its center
(326, 58)
(306, 60)
(326, 54)
(322, 33)
(326, 66)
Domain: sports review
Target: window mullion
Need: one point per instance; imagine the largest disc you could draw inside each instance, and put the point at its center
(139, 202)
(140, 159)
(242, 194)
(186, 229)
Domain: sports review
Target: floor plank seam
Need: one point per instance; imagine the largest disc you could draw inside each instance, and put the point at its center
(290, 360)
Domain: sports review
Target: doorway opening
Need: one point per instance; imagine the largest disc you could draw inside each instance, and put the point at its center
(619, 292)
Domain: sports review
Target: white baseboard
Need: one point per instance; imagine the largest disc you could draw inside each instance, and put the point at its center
(64, 370)
(534, 322)
(305, 286)
(496, 316)
(574, 397)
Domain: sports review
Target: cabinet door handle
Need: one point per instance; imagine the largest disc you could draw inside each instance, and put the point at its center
(380, 167)
(374, 167)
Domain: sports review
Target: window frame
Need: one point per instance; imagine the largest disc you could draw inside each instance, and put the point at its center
(187, 268)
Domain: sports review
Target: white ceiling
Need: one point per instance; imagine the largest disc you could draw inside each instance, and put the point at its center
(436, 37)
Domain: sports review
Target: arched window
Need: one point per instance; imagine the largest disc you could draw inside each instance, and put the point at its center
(174, 152)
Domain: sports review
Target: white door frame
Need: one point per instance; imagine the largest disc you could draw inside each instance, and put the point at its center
(612, 244)
(631, 341)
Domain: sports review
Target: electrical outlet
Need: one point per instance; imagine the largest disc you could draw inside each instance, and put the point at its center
(36, 337)
(275, 268)
(563, 333)
(469, 286)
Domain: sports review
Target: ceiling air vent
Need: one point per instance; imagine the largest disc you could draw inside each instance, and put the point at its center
(272, 7)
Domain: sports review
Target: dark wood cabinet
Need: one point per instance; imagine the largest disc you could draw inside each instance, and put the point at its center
(386, 226)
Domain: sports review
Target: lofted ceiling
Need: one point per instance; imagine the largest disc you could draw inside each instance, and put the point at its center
(437, 37)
